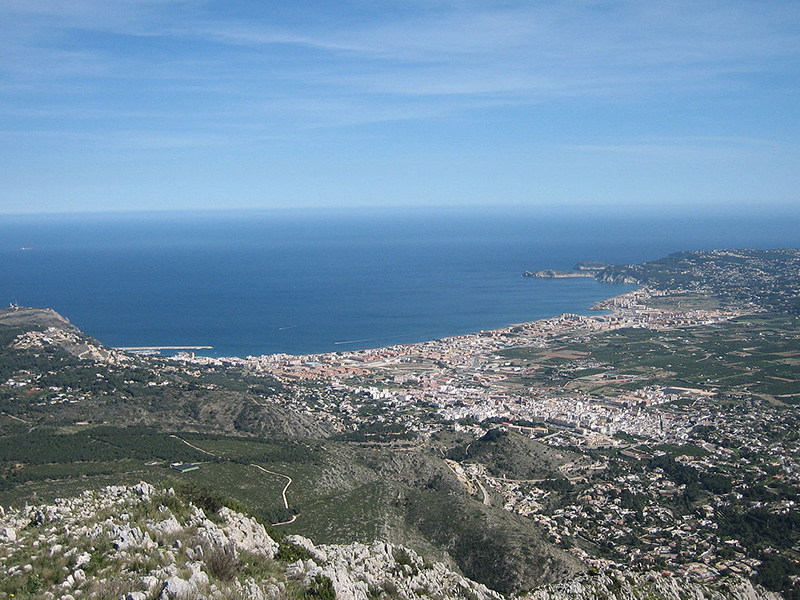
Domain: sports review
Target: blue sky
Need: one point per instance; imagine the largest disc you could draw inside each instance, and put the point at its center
(189, 104)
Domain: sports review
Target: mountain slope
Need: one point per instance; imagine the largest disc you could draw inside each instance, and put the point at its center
(140, 543)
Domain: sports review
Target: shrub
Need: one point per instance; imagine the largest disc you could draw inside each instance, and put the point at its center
(290, 553)
(208, 499)
(403, 558)
(321, 588)
(221, 562)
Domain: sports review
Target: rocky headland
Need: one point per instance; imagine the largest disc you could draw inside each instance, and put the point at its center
(585, 268)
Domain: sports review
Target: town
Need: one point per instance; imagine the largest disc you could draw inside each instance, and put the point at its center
(665, 425)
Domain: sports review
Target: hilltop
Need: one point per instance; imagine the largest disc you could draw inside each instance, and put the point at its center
(34, 319)
(73, 377)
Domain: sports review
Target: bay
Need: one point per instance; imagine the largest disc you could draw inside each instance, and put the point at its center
(250, 283)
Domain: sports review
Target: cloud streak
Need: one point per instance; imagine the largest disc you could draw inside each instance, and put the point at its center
(577, 85)
(574, 48)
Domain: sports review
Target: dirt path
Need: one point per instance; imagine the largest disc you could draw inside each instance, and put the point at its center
(5, 414)
(286, 487)
(260, 468)
(195, 447)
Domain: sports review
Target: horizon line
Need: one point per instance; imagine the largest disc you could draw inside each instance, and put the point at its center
(683, 209)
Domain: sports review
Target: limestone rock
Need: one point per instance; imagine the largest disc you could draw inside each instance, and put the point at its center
(176, 588)
(306, 544)
(144, 489)
(159, 556)
(248, 534)
(8, 534)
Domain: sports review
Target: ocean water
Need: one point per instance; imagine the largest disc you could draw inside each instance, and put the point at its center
(251, 283)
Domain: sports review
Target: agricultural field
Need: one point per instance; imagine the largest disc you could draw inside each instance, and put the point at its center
(758, 354)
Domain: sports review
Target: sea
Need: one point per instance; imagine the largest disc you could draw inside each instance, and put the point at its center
(265, 282)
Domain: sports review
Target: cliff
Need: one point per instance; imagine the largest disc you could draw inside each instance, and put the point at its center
(39, 318)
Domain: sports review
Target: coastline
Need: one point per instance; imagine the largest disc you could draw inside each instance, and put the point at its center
(283, 292)
(545, 299)
(601, 308)
(626, 310)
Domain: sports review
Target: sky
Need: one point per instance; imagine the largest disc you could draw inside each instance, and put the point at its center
(120, 105)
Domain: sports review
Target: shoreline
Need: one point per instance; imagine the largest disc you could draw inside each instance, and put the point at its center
(598, 308)
(594, 308)
(146, 348)
(626, 310)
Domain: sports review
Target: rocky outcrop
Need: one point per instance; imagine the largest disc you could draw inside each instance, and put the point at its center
(139, 543)
(552, 274)
(585, 268)
(619, 275)
(44, 328)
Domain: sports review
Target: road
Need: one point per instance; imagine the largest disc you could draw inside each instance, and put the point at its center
(486, 500)
(286, 487)
(260, 468)
(469, 481)
(195, 447)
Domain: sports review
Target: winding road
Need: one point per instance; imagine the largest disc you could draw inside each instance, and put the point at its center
(260, 468)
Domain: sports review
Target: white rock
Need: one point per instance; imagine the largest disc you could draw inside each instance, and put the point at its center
(169, 526)
(175, 587)
(150, 582)
(298, 540)
(295, 570)
(8, 534)
(144, 489)
(127, 536)
(248, 534)
(199, 579)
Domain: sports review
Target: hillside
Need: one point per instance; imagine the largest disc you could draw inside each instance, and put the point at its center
(510, 455)
(659, 438)
(142, 543)
(67, 376)
(769, 279)
(73, 420)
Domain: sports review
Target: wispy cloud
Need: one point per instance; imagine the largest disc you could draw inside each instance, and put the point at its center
(711, 148)
(191, 59)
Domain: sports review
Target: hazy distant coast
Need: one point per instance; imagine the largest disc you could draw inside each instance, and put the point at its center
(585, 268)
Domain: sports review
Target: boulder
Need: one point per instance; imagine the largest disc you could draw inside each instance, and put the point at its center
(318, 554)
(176, 588)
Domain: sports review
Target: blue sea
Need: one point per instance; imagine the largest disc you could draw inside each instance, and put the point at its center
(250, 283)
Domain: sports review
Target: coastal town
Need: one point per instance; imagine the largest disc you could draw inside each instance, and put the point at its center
(665, 425)
(668, 465)
(468, 378)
